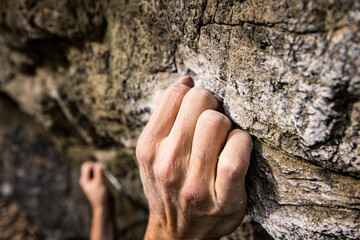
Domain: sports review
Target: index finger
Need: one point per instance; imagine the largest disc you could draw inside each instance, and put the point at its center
(163, 118)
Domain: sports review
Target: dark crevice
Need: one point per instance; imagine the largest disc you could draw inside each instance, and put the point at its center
(326, 169)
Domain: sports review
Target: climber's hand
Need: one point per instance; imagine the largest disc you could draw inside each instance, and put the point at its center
(103, 221)
(92, 182)
(192, 166)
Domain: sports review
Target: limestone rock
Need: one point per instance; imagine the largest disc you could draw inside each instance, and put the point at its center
(89, 72)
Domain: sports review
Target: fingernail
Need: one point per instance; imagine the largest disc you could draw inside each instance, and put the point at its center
(187, 80)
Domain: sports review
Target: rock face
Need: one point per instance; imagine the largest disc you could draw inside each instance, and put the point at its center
(88, 72)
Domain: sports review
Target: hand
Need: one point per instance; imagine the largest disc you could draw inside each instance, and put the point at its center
(192, 166)
(92, 183)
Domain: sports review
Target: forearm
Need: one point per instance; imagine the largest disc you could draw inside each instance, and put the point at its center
(103, 225)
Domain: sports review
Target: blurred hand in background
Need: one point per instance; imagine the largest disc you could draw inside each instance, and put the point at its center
(102, 203)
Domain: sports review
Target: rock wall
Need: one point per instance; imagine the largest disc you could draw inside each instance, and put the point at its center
(88, 72)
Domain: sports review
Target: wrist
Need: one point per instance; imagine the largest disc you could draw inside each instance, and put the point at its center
(155, 230)
(105, 206)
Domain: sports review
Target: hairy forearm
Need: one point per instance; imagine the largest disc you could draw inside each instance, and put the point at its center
(103, 225)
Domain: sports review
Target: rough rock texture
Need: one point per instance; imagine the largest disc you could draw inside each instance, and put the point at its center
(88, 73)
(15, 225)
(42, 178)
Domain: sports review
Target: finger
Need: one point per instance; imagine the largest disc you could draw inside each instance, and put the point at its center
(168, 106)
(210, 135)
(187, 80)
(86, 171)
(195, 102)
(232, 167)
(161, 121)
(98, 171)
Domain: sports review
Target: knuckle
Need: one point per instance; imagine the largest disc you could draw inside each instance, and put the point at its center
(191, 194)
(244, 137)
(232, 172)
(162, 173)
(214, 119)
(141, 154)
(232, 169)
(144, 148)
(178, 88)
(165, 169)
(201, 96)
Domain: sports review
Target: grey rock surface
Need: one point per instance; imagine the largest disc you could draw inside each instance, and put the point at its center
(89, 71)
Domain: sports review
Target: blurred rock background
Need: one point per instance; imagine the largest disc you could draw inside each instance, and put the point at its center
(78, 80)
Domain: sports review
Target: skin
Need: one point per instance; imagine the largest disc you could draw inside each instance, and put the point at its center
(192, 166)
(93, 185)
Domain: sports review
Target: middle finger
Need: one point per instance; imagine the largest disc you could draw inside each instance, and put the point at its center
(195, 102)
